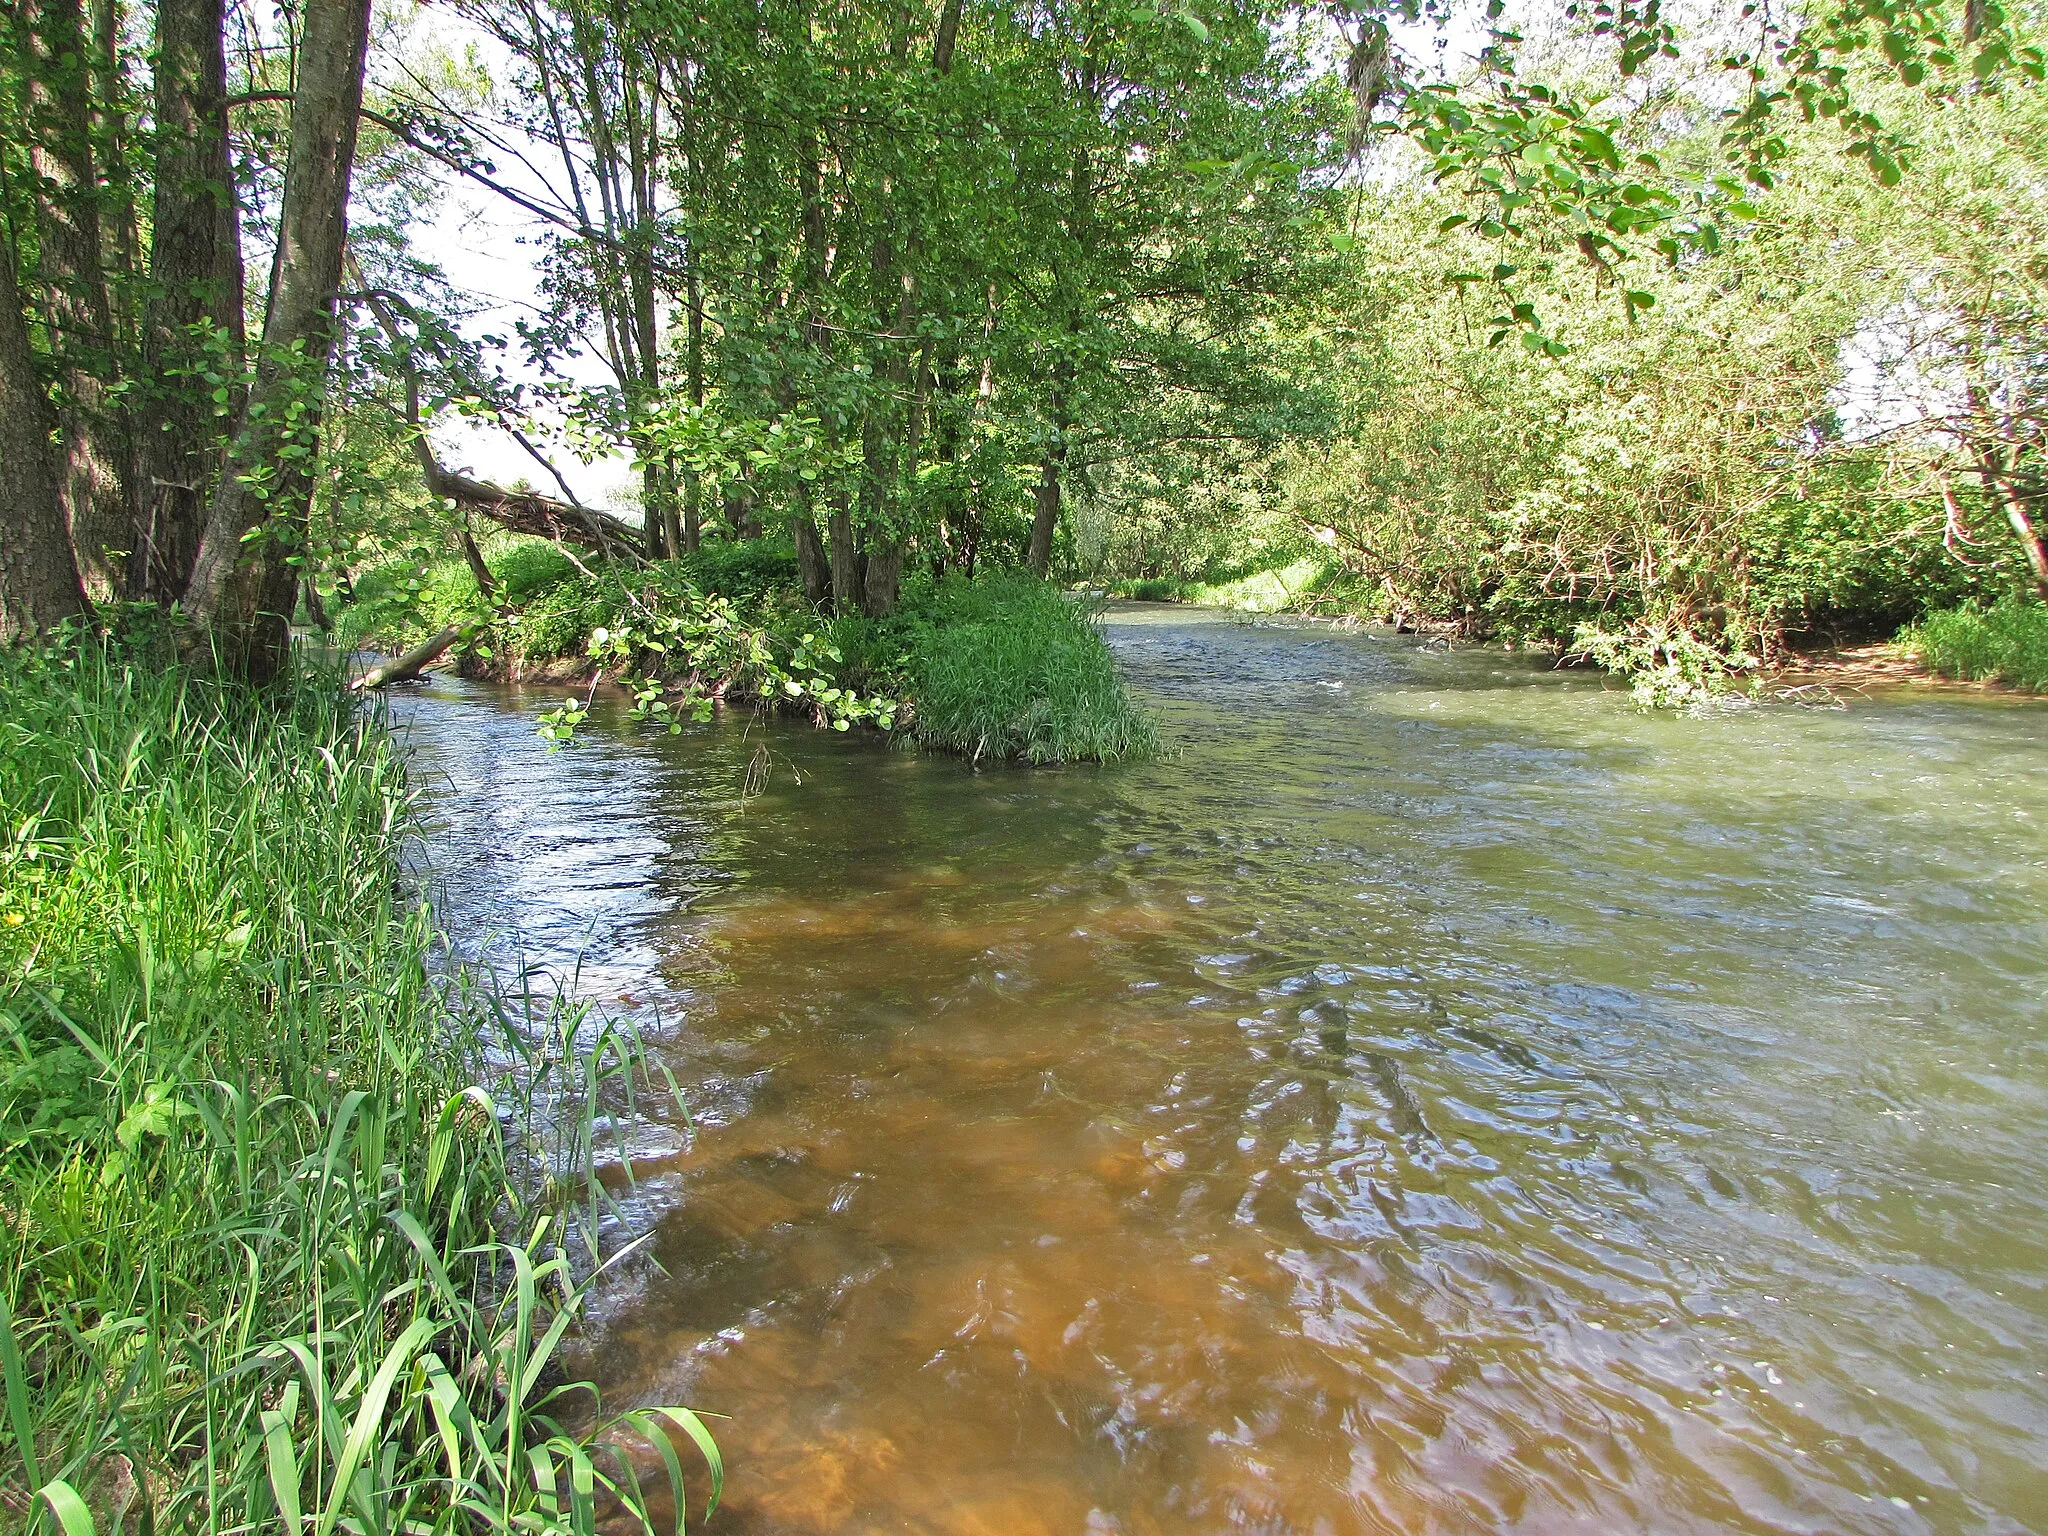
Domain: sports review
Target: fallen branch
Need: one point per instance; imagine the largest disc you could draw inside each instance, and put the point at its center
(404, 669)
(529, 511)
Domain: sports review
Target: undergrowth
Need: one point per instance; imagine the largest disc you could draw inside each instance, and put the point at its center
(277, 1252)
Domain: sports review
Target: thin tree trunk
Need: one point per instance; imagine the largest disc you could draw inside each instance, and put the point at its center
(195, 268)
(2006, 493)
(404, 669)
(811, 561)
(242, 587)
(1045, 517)
(71, 276)
(693, 485)
(39, 585)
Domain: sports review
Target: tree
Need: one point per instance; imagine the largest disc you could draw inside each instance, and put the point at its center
(39, 582)
(244, 579)
(193, 326)
(72, 278)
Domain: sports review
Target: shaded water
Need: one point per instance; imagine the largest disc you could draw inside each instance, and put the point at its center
(1440, 1099)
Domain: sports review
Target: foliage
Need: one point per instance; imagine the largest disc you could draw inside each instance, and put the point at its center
(1667, 667)
(1270, 589)
(1008, 667)
(2007, 641)
(269, 1248)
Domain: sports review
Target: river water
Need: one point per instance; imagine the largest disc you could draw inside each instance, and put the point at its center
(1435, 1099)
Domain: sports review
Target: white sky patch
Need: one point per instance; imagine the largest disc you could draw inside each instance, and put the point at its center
(490, 250)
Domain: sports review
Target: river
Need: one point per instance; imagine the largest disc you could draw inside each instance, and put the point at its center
(1434, 1098)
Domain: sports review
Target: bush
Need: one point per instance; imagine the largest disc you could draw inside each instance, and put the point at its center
(2007, 642)
(1007, 667)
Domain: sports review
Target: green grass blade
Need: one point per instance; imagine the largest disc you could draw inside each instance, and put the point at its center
(62, 1500)
(19, 1417)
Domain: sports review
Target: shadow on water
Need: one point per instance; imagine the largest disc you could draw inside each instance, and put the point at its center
(1436, 1099)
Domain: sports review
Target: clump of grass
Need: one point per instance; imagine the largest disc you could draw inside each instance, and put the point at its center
(271, 1254)
(1007, 667)
(2007, 642)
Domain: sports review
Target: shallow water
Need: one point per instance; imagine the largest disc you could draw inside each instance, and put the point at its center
(1438, 1099)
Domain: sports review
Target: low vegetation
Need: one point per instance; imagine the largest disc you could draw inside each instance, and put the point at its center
(272, 1244)
(1002, 666)
(2006, 642)
(1008, 667)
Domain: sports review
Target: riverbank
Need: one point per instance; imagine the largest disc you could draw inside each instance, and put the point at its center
(256, 1180)
(999, 667)
(2002, 649)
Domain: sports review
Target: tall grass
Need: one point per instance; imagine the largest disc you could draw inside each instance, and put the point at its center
(2007, 641)
(1007, 667)
(274, 1253)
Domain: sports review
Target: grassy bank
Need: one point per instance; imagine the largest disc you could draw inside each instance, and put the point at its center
(263, 1248)
(1000, 667)
(2006, 642)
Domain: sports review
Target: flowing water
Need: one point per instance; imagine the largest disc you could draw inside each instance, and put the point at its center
(1437, 1099)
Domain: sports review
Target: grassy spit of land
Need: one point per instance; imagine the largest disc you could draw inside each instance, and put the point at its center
(1002, 666)
(276, 1251)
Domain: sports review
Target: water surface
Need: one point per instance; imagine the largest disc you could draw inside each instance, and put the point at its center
(1437, 1099)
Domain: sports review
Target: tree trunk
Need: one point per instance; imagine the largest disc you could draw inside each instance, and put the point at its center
(39, 585)
(846, 582)
(71, 276)
(120, 231)
(2007, 494)
(811, 562)
(693, 484)
(1045, 517)
(404, 669)
(883, 578)
(242, 587)
(195, 268)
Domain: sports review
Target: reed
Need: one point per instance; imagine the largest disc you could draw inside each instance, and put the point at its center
(294, 1222)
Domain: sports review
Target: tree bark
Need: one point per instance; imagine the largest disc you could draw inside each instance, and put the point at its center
(195, 268)
(846, 582)
(2013, 504)
(120, 230)
(241, 587)
(97, 449)
(39, 585)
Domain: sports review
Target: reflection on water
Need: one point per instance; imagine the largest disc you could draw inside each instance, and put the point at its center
(1439, 1099)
